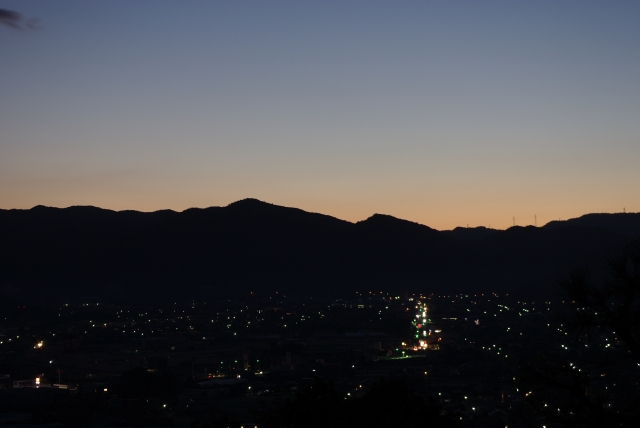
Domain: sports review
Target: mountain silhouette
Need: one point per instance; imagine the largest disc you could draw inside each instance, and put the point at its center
(470, 233)
(251, 245)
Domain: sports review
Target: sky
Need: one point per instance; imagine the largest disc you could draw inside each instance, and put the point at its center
(446, 113)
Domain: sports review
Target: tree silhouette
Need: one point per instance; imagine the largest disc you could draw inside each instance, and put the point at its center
(614, 305)
(591, 379)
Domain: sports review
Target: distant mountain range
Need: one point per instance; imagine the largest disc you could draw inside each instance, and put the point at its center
(251, 245)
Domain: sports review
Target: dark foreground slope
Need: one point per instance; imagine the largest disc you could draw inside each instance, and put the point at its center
(254, 246)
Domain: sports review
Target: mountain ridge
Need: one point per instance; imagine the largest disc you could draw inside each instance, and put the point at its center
(255, 245)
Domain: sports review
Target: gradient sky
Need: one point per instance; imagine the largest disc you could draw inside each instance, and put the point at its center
(445, 113)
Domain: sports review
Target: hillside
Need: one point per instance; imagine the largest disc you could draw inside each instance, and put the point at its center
(251, 245)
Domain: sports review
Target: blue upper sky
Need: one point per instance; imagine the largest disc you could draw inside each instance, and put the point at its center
(446, 113)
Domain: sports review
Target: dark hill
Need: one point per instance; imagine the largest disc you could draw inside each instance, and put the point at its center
(253, 245)
(620, 223)
(470, 233)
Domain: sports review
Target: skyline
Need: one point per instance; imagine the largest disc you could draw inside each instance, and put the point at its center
(535, 221)
(443, 114)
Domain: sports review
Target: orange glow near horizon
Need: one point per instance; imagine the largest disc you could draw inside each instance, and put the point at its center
(428, 112)
(498, 216)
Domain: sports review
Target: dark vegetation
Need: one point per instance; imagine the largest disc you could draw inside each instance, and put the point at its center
(594, 380)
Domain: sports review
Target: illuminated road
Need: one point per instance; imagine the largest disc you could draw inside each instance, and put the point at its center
(421, 324)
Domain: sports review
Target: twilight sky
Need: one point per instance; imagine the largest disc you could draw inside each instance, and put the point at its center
(445, 113)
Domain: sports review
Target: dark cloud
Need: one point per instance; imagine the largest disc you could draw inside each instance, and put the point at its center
(10, 18)
(14, 20)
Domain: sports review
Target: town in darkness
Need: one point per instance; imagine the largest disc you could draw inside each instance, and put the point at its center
(320, 214)
(230, 350)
